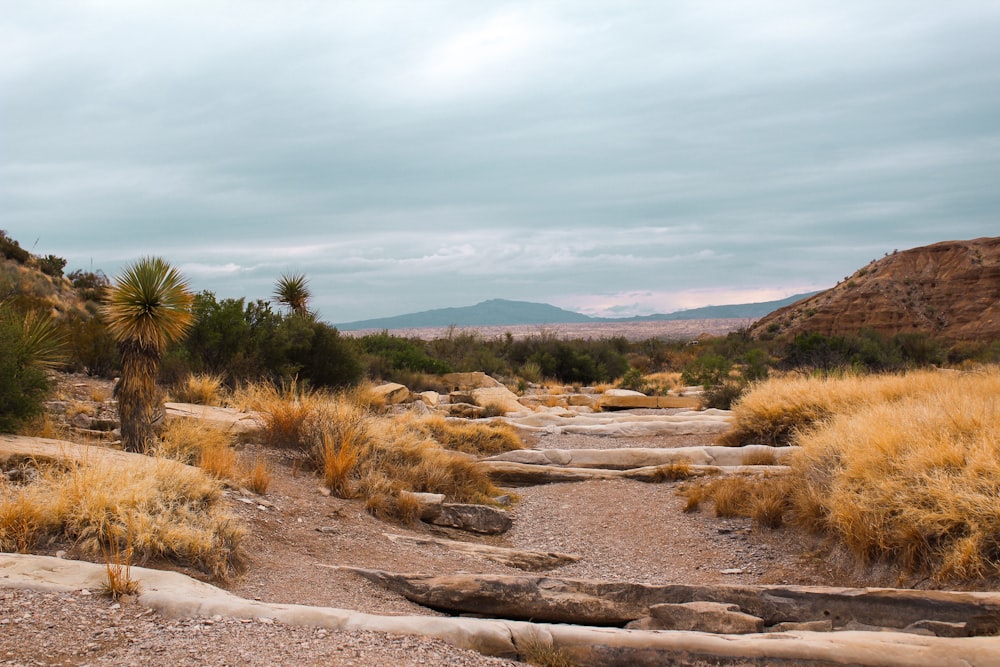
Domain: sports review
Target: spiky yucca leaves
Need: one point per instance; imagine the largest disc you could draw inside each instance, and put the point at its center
(292, 290)
(40, 340)
(148, 307)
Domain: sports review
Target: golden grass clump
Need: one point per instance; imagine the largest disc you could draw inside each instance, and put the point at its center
(157, 508)
(477, 438)
(258, 475)
(202, 389)
(772, 412)
(765, 499)
(673, 472)
(293, 418)
(195, 443)
(915, 482)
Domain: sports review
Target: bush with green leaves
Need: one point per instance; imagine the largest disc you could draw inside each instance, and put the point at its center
(29, 344)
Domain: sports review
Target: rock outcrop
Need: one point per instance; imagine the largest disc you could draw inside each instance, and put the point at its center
(948, 290)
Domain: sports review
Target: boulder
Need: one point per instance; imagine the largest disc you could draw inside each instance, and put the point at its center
(229, 419)
(717, 617)
(392, 392)
(468, 381)
(465, 410)
(429, 504)
(481, 519)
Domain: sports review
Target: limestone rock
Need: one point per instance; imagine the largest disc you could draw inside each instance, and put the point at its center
(717, 617)
(393, 393)
(638, 457)
(465, 410)
(481, 519)
(519, 558)
(468, 381)
(430, 504)
(804, 626)
(431, 399)
(229, 419)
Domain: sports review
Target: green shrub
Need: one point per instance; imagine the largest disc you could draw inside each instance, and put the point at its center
(51, 265)
(29, 343)
(11, 249)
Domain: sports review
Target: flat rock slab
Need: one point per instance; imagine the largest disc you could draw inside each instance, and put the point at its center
(26, 447)
(595, 602)
(639, 457)
(702, 422)
(521, 559)
(607, 402)
(527, 474)
(481, 519)
(229, 419)
(177, 596)
(717, 617)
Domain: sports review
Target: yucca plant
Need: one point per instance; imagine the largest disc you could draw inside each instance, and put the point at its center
(148, 307)
(292, 290)
(30, 344)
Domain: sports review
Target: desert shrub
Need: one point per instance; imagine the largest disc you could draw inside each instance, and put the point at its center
(11, 249)
(763, 498)
(388, 355)
(914, 482)
(29, 344)
(51, 265)
(90, 346)
(90, 285)
(167, 511)
(634, 380)
(194, 443)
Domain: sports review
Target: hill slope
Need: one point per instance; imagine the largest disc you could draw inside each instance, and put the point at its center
(948, 290)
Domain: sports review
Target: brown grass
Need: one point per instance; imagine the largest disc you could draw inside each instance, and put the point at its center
(169, 511)
(477, 438)
(774, 411)
(202, 389)
(673, 472)
(765, 499)
(258, 475)
(194, 443)
(759, 458)
(915, 482)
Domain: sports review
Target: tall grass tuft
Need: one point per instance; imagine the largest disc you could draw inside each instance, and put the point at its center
(194, 443)
(915, 482)
(202, 389)
(476, 438)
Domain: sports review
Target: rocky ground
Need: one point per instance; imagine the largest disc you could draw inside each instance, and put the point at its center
(621, 529)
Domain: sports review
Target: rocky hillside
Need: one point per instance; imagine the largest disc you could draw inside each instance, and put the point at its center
(948, 290)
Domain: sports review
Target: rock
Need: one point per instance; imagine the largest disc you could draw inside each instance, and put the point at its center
(526, 474)
(500, 397)
(468, 381)
(940, 628)
(623, 393)
(717, 617)
(581, 400)
(177, 596)
(392, 392)
(556, 421)
(81, 420)
(594, 602)
(642, 401)
(229, 419)
(105, 425)
(521, 559)
(640, 457)
(481, 519)
(805, 626)
(431, 399)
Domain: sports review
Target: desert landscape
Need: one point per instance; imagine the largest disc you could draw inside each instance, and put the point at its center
(823, 516)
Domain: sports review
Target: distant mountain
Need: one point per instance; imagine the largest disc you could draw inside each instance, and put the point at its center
(501, 312)
(495, 312)
(949, 291)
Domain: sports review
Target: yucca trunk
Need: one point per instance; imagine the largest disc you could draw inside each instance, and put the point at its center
(137, 400)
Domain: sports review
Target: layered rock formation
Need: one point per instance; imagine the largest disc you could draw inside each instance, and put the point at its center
(949, 291)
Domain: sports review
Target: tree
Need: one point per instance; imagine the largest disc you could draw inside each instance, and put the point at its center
(293, 291)
(148, 307)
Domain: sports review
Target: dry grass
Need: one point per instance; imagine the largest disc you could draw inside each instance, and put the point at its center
(772, 412)
(202, 389)
(258, 475)
(477, 438)
(118, 563)
(541, 653)
(43, 426)
(194, 443)
(915, 482)
(156, 507)
(363, 454)
(99, 394)
(759, 458)
(673, 472)
(765, 499)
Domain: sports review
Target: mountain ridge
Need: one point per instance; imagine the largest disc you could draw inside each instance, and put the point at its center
(501, 312)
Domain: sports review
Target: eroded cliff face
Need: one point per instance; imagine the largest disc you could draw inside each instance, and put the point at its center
(948, 290)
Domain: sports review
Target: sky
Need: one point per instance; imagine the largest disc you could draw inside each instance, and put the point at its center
(613, 158)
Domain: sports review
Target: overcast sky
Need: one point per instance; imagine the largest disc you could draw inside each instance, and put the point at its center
(614, 158)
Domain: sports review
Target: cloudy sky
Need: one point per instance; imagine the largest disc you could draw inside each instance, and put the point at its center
(614, 158)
